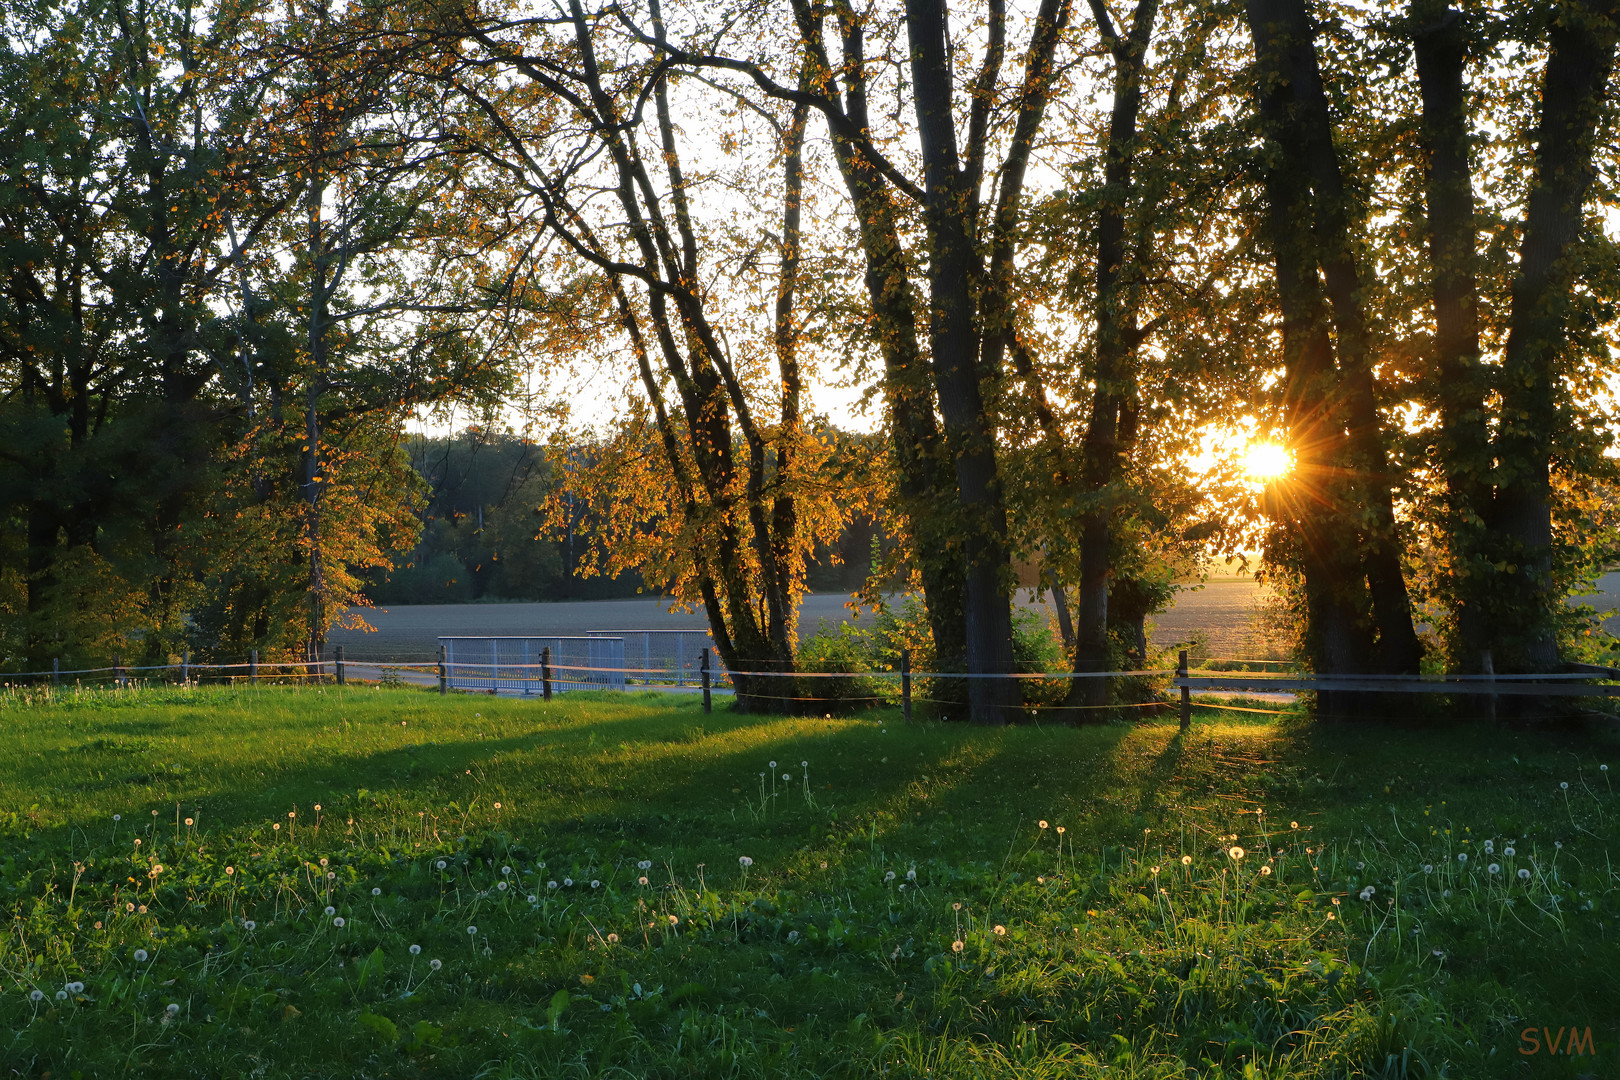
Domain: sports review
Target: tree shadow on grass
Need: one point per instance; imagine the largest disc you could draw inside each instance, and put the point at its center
(659, 773)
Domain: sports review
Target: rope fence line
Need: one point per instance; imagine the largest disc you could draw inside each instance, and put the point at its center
(531, 676)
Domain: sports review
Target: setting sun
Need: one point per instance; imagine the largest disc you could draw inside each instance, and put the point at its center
(1267, 461)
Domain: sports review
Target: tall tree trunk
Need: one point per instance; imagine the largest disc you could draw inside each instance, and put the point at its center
(1290, 36)
(954, 341)
(1463, 446)
(316, 344)
(918, 450)
(1580, 59)
(1312, 507)
(1117, 340)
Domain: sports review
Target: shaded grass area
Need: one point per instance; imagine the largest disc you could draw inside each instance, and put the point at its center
(1253, 899)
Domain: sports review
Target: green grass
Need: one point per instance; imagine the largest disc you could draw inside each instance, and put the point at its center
(1130, 943)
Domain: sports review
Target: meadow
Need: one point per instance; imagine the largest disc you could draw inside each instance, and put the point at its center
(370, 882)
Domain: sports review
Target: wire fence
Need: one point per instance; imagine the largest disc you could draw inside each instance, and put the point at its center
(529, 666)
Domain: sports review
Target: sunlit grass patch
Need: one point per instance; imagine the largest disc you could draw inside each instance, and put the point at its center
(364, 882)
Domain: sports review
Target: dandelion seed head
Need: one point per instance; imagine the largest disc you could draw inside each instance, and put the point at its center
(230, 870)
(1265, 871)
(1186, 860)
(1564, 784)
(1462, 856)
(644, 864)
(999, 930)
(533, 899)
(416, 950)
(435, 964)
(674, 919)
(376, 891)
(61, 995)
(1293, 824)
(551, 884)
(120, 817)
(330, 910)
(249, 924)
(1509, 852)
(501, 885)
(1043, 823)
(613, 939)
(1236, 852)
(505, 871)
(440, 865)
(36, 995)
(1428, 868)
(1524, 875)
(596, 884)
(188, 821)
(1494, 868)
(889, 876)
(744, 860)
(472, 931)
(642, 880)
(773, 765)
(1367, 893)
(75, 987)
(140, 956)
(338, 922)
(956, 946)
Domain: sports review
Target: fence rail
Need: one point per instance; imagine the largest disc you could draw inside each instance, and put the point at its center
(542, 665)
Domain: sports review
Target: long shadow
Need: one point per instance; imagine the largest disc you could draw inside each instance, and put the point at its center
(883, 782)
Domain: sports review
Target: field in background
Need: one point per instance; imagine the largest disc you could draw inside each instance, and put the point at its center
(340, 882)
(1218, 615)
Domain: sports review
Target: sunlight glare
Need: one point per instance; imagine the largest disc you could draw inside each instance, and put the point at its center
(1267, 461)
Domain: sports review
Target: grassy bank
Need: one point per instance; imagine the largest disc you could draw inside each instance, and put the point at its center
(387, 883)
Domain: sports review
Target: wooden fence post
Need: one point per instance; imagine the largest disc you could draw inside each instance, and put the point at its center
(905, 683)
(1186, 692)
(253, 666)
(185, 668)
(545, 673)
(56, 671)
(708, 706)
(444, 671)
(1487, 668)
(337, 666)
(118, 671)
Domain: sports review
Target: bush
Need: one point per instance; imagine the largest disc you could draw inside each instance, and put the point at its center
(845, 648)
